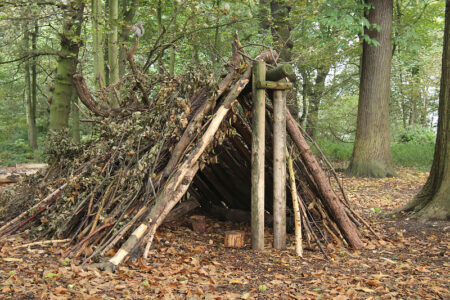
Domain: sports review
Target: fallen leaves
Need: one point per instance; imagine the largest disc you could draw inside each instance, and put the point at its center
(411, 262)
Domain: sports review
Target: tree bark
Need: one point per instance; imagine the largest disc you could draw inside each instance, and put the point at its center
(433, 201)
(372, 153)
(113, 49)
(99, 43)
(67, 63)
(31, 122)
(128, 19)
(34, 36)
(314, 102)
(281, 29)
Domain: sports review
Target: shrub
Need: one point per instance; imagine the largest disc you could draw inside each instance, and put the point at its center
(416, 134)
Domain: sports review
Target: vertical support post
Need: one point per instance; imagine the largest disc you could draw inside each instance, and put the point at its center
(258, 147)
(279, 169)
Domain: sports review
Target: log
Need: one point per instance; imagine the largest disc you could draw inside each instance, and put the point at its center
(279, 170)
(234, 239)
(280, 72)
(274, 85)
(349, 229)
(236, 215)
(181, 210)
(198, 224)
(13, 175)
(258, 148)
(38, 166)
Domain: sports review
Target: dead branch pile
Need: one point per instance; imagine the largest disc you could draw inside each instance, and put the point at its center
(171, 135)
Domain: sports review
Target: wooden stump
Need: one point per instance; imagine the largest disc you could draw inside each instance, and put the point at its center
(198, 224)
(234, 239)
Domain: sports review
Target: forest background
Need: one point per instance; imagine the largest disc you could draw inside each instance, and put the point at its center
(321, 39)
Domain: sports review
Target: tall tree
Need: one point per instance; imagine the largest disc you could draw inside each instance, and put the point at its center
(433, 201)
(113, 48)
(34, 86)
(98, 42)
(127, 16)
(372, 153)
(281, 28)
(314, 93)
(29, 104)
(67, 64)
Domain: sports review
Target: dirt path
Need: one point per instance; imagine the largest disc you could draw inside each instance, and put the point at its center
(411, 262)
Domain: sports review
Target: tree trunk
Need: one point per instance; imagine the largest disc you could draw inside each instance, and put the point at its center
(173, 49)
(128, 19)
(34, 37)
(433, 201)
(113, 49)
(315, 97)
(281, 29)
(31, 120)
(372, 153)
(99, 43)
(67, 63)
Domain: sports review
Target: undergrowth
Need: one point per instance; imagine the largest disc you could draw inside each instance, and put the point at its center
(409, 154)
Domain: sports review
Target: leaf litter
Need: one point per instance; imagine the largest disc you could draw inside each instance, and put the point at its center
(410, 262)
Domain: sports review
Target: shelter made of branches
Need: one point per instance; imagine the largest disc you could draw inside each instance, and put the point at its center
(172, 136)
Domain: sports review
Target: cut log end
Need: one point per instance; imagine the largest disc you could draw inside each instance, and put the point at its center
(198, 224)
(234, 239)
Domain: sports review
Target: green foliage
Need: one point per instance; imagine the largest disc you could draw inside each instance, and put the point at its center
(336, 150)
(411, 154)
(416, 134)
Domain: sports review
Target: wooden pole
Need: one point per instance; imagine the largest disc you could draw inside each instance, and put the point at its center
(296, 207)
(279, 169)
(258, 146)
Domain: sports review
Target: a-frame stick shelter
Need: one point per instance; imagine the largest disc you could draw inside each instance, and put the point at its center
(212, 144)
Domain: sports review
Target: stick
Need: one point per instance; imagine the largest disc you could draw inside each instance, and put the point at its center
(170, 195)
(42, 202)
(297, 217)
(348, 228)
(41, 243)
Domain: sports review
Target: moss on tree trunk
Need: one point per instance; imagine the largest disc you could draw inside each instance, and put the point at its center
(67, 63)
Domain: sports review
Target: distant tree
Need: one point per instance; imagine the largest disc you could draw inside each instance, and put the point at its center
(113, 48)
(372, 153)
(30, 85)
(433, 201)
(98, 42)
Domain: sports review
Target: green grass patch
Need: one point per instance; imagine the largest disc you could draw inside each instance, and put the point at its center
(419, 156)
(416, 155)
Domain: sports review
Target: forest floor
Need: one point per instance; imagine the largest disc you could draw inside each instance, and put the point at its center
(412, 261)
